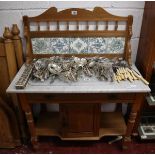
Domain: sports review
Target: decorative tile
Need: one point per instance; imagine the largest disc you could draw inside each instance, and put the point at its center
(78, 45)
(39, 45)
(50, 45)
(97, 45)
(115, 45)
(59, 45)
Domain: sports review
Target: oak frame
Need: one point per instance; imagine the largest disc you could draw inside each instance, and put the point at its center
(98, 14)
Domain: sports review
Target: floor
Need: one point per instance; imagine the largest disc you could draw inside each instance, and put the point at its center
(56, 146)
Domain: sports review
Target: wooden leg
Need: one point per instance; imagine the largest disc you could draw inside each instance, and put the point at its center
(29, 118)
(131, 121)
(135, 130)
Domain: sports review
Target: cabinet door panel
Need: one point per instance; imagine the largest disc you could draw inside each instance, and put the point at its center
(80, 119)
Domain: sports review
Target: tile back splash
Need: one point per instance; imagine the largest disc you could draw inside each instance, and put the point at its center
(78, 45)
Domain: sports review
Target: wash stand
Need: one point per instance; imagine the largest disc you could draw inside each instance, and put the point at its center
(82, 33)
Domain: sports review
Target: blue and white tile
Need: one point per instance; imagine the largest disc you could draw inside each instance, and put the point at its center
(78, 45)
(96, 45)
(59, 45)
(39, 45)
(50, 45)
(115, 45)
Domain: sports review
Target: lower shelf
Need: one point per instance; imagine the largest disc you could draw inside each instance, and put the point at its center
(48, 124)
(111, 124)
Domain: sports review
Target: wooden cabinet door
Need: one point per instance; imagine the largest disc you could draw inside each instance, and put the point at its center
(79, 120)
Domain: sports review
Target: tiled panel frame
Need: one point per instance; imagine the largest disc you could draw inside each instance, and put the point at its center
(86, 45)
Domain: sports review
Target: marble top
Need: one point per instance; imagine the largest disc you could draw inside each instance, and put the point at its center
(85, 85)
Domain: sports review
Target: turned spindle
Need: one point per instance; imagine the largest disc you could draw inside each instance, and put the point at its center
(10, 53)
(28, 46)
(17, 45)
(11, 59)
